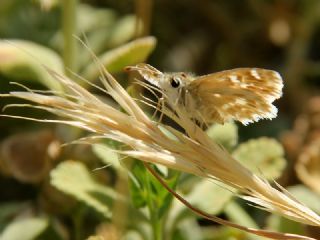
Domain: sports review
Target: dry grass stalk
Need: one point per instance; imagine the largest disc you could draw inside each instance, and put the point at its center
(193, 152)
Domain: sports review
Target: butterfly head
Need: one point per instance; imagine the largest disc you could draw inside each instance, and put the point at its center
(170, 83)
(174, 84)
(173, 81)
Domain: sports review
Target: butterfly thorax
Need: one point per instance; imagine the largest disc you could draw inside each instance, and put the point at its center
(175, 85)
(179, 92)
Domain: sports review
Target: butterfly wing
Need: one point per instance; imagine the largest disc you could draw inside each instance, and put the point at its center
(242, 94)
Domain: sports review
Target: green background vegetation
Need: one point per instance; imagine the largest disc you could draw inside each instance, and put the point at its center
(53, 192)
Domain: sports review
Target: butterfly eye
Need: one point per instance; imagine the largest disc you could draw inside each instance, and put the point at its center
(175, 82)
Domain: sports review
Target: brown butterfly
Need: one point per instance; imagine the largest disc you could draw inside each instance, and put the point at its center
(242, 94)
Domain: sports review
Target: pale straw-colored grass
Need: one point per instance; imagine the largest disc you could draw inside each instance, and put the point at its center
(193, 152)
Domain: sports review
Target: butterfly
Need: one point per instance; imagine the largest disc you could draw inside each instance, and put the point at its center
(242, 94)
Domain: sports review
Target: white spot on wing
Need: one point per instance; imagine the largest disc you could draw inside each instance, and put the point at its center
(234, 79)
(255, 74)
(225, 107)
(241, 101)
(244, 85)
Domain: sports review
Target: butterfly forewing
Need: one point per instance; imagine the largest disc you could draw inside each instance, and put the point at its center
(243, 94)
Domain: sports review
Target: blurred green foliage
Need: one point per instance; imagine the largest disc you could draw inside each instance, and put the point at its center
(45, 195)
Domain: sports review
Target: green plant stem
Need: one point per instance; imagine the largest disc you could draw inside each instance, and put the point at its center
(69, 26)
(156, 222)
(156, 228)
(78, 219)
(120, 208)
(144, 14)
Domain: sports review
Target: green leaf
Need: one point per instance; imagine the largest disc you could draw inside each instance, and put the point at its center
(8, 210)
(210, 196)
(97, 25)
(133, 235)
(226, 134)
(137, 185)
(21, 61)
(263, 156)
(281, 224)
(207, 195)
(90, 18)
(188, 229)
(27, 229)
(225, 233)
(47, 5)
(95, 238)
(90, 21)
(128, 54)
(146, 189)
(73, 178)
(164, 129)
(306, 196)
(107, 155)
(237, 214)
(166, 198)
(123, 31)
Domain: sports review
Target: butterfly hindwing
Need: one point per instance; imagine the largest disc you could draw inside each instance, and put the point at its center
(243, 94)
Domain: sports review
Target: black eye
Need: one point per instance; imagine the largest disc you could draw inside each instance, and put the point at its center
(175, 82)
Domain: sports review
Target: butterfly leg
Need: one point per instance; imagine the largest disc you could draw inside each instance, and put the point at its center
(161, 101)
(157, 109)
(159, 106)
